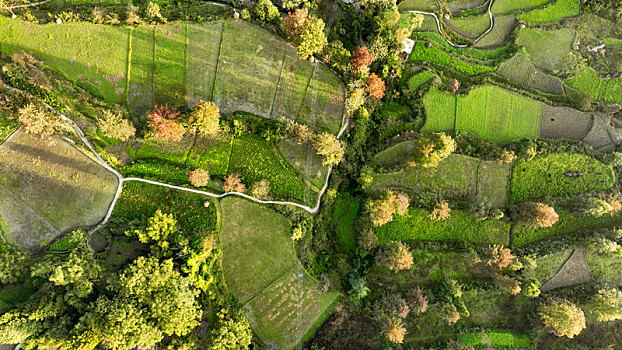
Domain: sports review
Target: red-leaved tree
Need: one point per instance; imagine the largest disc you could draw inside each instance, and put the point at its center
(165, 122)
(375, 86)
(360, 59)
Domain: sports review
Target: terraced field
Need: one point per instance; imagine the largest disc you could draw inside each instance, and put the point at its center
(548, 49)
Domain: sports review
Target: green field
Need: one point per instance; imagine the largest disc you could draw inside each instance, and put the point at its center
(255, 159)
(521, 71)
(544, 176)
(472, 25)
(261, 269)
(489, 112)
(48, 181)
(140, 93)
(496, 338)
(169, 76)
(212, 154)
(419, 79)
(553, 13)
(416, 226)
(7, 127)
(94, 55)
(548, 49)
(499, 34)
(437, 56)
(323, 105)
(603, 267)
(303, 158)
(203, 49)
(295, 78)
(345, 211)
(588, 82)
(421, 5)
(507, 6)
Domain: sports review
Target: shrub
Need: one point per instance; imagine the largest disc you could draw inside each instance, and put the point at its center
(390, 305)
(199, 177)
(432, 148)
(499, 257)
(131, 15)
(205, 117)
(233, 184)
(266, 11)
(354, 100)
(112, 125)
(329, 147)
(562, 317)
(361, 59)
(508, 284)
(12, 265)
(37, 121)
(506, 157)
(606, 305)
(448, 313)
(165, 122)
(152, 12)
(260, 189)
(534, 214)
(367, 239)
(395, 256)
(300, 131)
(374, 86)
(366, 177)
(531, 288)
(359, 287)
(305, 32)
(441, 211)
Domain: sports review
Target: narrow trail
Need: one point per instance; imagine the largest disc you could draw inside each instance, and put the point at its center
(440, 30)
(78, 131)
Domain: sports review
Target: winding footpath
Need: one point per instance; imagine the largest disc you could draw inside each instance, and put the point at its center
(100, 160)
(438, 25)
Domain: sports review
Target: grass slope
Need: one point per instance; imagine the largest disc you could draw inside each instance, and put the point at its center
(521, 71)
(440, 111)
(544, 176)
(508, 6)
(169, 77)
(548, 49)
(588, 82)
(472, 25)
(437, 56)
(140, 94)
(323, 104)
(553, 13)
(203, 49)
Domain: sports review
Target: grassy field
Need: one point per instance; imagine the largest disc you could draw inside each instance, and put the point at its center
(553, 13)
(437, 56)
(212, 154)
(460, 226)
(169, 77)
(604, 268)
(419, 79)
(52, 181)
(255, 159)
(323, 105)
(421, 5)
(508, 6)
(588, 82)
(492, 183)
(346, 209)
(203, 49)
(7, 127)
(172, 151)
(473, 26)
(499, 34)
(521, 71)
(77, 50)
(544, 176)
(547, 265)
(440, 111)
(548, 49)
(304, 159)
(568, 223)
(140, 93)
(261, 269)
(495, 114)
(496, 338)
(395, 155)
(296, 76)
(156, 170)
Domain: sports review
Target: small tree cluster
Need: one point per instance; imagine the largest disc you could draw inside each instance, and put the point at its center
(305, 32)
(12, 264)
(395, 256)
(531, 288)
(112, 125)
(300, 131)
(430, 149)
(199, 177)
(37, 120)
(329, 147)
(562, 317)
(232, 331)
(165, 123)
(205, 117)
(601, 206)
(382, 210)
(233, 183)
(354, 99)
(441, 211)
(152, 12)
(266, 11)
(508, 284)
(360, 60)
(535, 214)
(374, 86)
(606, 305)
(417, 300)
(367, 239)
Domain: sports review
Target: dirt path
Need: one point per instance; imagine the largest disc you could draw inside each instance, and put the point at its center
(573, 271)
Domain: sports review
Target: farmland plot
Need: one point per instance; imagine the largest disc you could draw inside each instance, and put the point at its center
(248, 69)
(492, 183)
(203, 49)
(588, 82)
(293, 84)
(172, 151)
(420, 5)
(323, 106)
(440, 111)
(553, 13)
(304, 159)
(169, 77)
(564, 122)
(211, 153)
(140, 94)
(56, 181)
(548, 49)
(75, 49)
(521, 71)
(471, 26)
(499, 34)
(508, 6)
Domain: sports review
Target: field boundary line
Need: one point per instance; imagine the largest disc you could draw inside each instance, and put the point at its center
(222, 34)
(186, 60)
(304, 97)
(278, 85)
(440, 30)
(153, 67)
(128, 71)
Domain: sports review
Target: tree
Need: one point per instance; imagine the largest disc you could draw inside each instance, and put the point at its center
(152, 12)
(394, 330)
(600, 206)
(329, 147)
(37, 121)
(499, 257)
(354, 99)
(430, 149)
(112, 125)
(440, 211)
(159, 228)
(260, 189)
(382, 210)
(367, 239)
(417, 301)
(359, 287)
(606, 305)
(165, 122)
(395, 256)
(266, 11)
(508, 284)
(391, 305)
(361, 59)
(199, 177)
(233, 184)
(374, 86)
(562, 317)
(448, 313)
(534, 214)
(205, 117)
(232, 331)
(300, 131)
(531, 288)
(454, 85)
(12, 264)
(305, 32)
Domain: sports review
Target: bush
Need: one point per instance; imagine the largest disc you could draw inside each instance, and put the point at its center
(395, 256)
(305, 32)
(152, 12)
(382, 210)
(390, 305)
(199, 177)
(562, 318)
(112, 125)
(37, 121)
(417, 301)
(165, 122)
(374, 86)
(358, 286)
(394, 330)
(534, 214)
(367, 239)
(606, 305)
(440, 212)
(499, 257)
(266, 11)
(329, 147)
(432, 148)
(260, 189)
(531, 288)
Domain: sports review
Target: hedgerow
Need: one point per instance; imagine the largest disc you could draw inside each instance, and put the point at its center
(546, 176)
(437, 56)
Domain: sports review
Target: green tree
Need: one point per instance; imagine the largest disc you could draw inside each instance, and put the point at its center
(266, 11)
(112, 125)
(606, 305)
(205, 117)
(159, 227)
(562, 317)
(12, 264)
(329, 147)
(430, 149)
(358, 286)
(37, 120)
(232, 331)
(395, 256)
(305, 32)
(531, 288)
